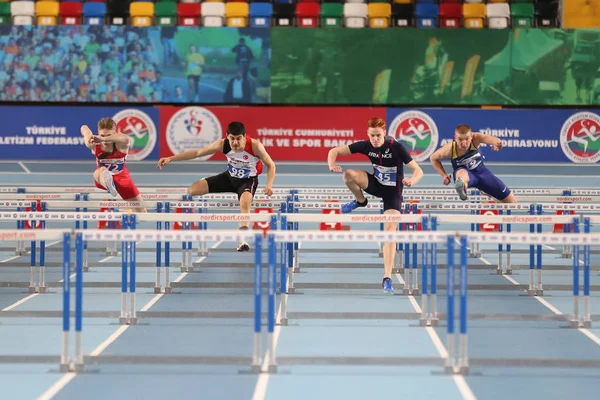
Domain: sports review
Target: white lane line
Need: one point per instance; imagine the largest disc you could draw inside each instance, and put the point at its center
(459, 380)
(10, 259)
(18, 303)
(62, 382)
(260, 390)
(22, 165)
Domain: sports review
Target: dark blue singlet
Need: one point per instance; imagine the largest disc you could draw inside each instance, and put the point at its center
(479, 176)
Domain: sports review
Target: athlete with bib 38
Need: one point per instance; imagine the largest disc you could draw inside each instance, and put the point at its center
(245, 158)
(388, 157)
(110, 148)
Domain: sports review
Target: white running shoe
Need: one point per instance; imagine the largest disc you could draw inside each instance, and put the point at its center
(110, 184)
(243, 246)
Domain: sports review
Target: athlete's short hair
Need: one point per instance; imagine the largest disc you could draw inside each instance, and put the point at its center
(107, 123)
(236, 128)
(376, 123)
(463, 129)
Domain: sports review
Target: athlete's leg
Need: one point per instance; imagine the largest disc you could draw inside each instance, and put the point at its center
(389, 248)
(494, 187)
(104, 178)
(461, 183)
(356, 181)
(198, 188)
(246, 190)
(245, 205)
(391, 206)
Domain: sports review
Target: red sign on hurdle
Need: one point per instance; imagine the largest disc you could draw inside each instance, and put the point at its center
(331, 226)
(178, 225)
(264, 226)
(411, 210)
(38, 208)
(104, 224)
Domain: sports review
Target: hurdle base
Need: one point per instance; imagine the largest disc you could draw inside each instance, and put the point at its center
(132, 321)
(168, 290)
(32, 289)
(586, 324)
(123, 320)
(573, 323)
(296, 269)
(255, 369)
(42, 289)
(86, 269)
(435, 321)
(291, 290)
(476, 254)
(64, 368)
(531, 292)
(398, 271)
(283, 322)
(157, 290)
(540, 292)
(272, 369)
(78, 368)
(464, 371)
(508, 271)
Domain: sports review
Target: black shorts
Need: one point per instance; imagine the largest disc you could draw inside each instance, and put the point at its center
(391, 195)
(225, 183)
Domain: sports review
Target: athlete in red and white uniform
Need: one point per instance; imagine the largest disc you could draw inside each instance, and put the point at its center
(110, 148)
(245, 159)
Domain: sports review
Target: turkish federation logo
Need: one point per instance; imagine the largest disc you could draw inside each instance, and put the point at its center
(140, 128)
(579, 137)
(417, 132)
(192, 128)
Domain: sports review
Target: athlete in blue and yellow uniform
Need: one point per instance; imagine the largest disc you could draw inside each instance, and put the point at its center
(468, 166)
(388, 157)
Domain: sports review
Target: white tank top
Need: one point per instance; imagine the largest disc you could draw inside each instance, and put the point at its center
(244, 164)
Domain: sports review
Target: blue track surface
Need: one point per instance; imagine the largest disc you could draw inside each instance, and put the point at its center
(333, 333)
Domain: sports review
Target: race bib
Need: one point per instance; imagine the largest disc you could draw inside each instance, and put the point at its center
(241, 173)
(113, 168)
(385, 175)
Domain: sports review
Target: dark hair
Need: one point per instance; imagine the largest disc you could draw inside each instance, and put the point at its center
(236, 128)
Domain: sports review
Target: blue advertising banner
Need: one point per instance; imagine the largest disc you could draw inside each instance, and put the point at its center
(528, 135)
(53, 132)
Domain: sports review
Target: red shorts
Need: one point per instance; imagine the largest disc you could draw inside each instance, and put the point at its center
(124, 184)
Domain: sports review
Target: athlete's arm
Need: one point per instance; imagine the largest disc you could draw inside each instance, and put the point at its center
(417, 174)
(493, 141)
(121, 141)
(191, 154)
(87, 137)
(259, 149)
(436, 158)
(332, 156)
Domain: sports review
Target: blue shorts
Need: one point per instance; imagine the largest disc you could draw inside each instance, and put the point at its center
(484, 180)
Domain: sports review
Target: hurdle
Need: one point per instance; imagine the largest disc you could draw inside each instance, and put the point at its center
(453, 366)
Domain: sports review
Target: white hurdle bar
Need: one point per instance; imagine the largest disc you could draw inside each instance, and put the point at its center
(292, 260)
(129, 237)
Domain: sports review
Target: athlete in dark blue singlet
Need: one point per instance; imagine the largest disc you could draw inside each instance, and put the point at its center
(388, 158)
(468, 167)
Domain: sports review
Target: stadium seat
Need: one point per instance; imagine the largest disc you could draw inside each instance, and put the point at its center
(332, 14)
(426, 15)
(260, 15)
(402, 15)
(22, 12)
(213, 14)
(474, 15)
(142, 13)
(4, 13)
(70, 12)
(498, 15)
(355, 15)
(237, 14)
(47, 12)
(546, 15)
(307, 14)
(117, 12)
(450, 15)
(189, 14)
(522, 15)
(165, 13)
(94, 13)
(379, 14)
(283, 14)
